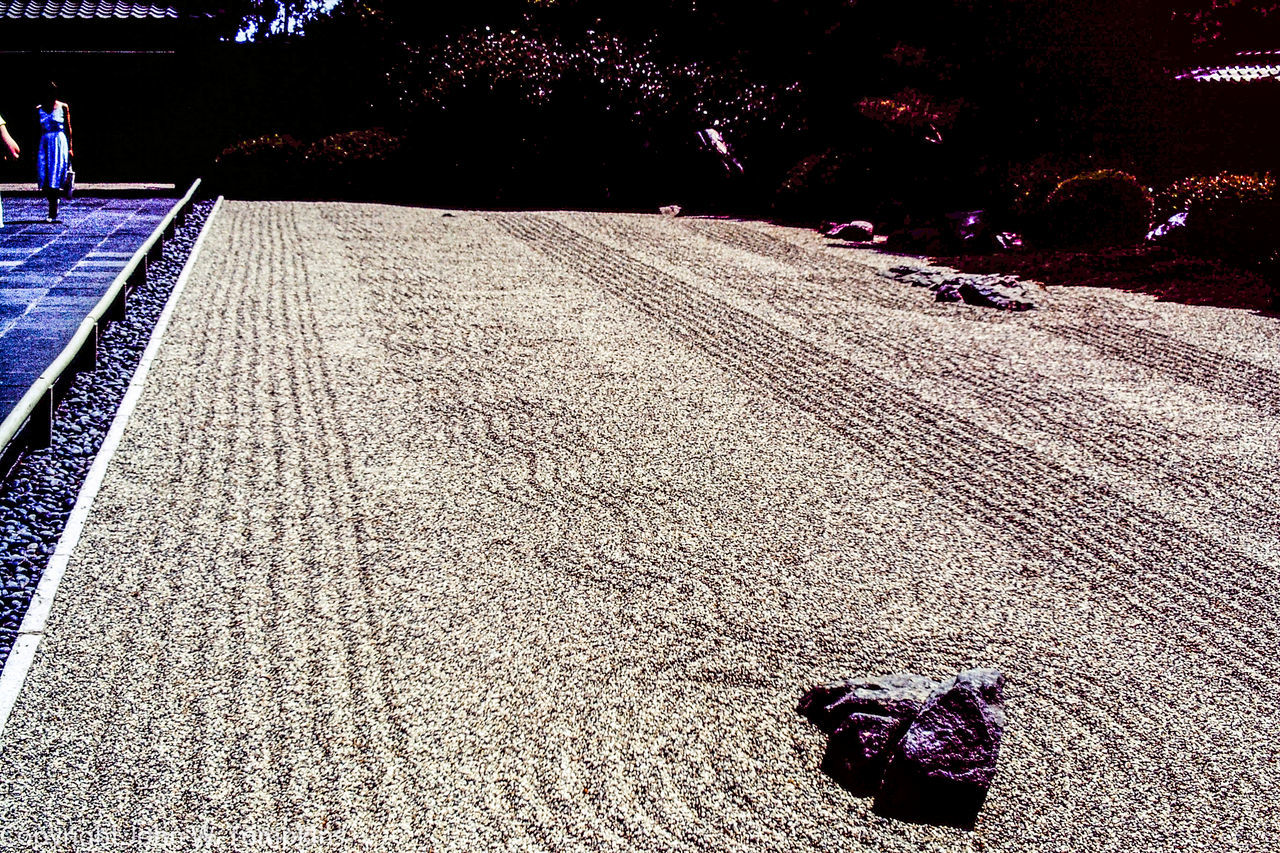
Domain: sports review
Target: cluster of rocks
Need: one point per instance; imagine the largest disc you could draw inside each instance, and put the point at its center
(925, 749)
(1172, 232)
(961, 232)
(1005, 292)
(37, 497)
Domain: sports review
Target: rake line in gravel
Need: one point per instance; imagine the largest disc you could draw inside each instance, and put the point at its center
(551, 451)
(1258, 386)
(1249, 383)
(379, 683)
(498, 429)
(304, 398)
(843, 268)
(627, 810)
(1117, 539)
(1111, 435)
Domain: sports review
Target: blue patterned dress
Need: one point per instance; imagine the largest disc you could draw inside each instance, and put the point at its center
(54, 156)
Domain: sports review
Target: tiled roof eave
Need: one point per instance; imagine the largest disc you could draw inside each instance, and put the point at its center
(1250, 66)
(85, 10)
(1232, 74)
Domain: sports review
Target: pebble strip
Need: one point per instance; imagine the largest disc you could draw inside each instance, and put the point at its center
(526, 531)
(36, 500)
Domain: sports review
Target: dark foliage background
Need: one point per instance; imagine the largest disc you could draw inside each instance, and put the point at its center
(833, 108)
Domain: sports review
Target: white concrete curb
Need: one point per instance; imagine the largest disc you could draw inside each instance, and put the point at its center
(34, 623)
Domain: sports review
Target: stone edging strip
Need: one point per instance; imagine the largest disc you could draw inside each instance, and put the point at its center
(36, 620)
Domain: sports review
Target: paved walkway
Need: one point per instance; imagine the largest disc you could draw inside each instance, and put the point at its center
(525, 531)
(51, 275)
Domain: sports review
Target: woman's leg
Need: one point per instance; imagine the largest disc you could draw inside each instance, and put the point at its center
(53, 205)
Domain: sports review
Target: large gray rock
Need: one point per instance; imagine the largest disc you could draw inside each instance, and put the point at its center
(956, 735)
(989, 291)
(928, 748)
(865, 719)
(972, 231)
(1170, 232)
(948, 291)
(859, 750)
(992, 296)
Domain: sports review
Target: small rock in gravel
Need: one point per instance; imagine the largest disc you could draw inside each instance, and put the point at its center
(670, 210)
(858, 231)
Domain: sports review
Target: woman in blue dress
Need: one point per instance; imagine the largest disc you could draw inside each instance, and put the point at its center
(54, 156)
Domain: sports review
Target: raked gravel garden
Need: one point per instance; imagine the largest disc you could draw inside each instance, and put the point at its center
(468, 531)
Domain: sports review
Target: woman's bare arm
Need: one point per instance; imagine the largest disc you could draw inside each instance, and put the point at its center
(8, 141)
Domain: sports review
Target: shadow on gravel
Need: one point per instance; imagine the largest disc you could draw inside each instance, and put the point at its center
(1160, 272)
(906, 796)
(915, 799)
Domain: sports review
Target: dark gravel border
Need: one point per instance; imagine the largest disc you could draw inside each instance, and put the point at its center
(36, 500)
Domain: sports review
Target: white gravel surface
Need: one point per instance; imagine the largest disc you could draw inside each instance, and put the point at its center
(526, 531)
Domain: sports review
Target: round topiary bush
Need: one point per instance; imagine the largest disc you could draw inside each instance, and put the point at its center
(1096, 209)
(358, 163)
(821, 186)
(262, 167)
(1026, 184)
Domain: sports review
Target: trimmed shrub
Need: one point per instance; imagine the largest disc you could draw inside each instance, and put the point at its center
(1095, 209)
(536, 118)
(1248, 232)
(819, 186)
(1230, 216)
(1224, 193)
(358, 163)
(1236, 217)
(914, 110)
(1026, 186)
(262, 167)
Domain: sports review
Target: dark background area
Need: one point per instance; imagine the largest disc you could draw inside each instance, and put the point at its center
(831, 107)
